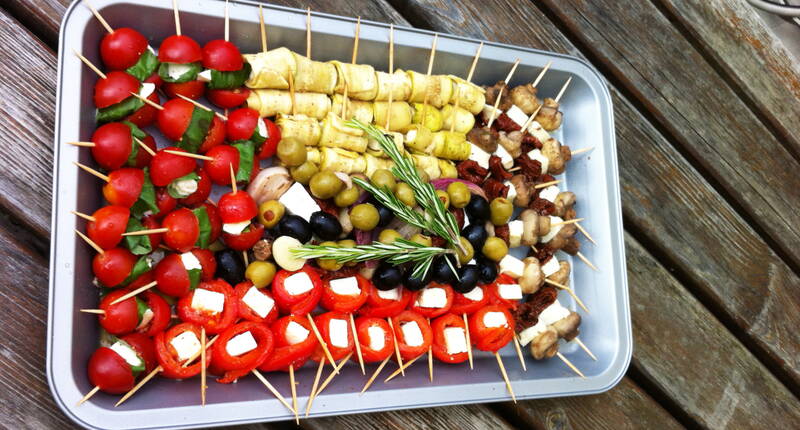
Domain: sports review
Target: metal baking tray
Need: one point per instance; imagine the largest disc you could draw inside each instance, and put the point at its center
(72, 336)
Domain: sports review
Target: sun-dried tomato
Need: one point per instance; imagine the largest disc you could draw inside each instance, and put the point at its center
(543, 253)
(505, 123)
(546, 178)
(438, 242)
(527, 314)
(470, 170)
(498, 171)
(543, 207)
(484, 138)
(344, 272)
(459, 215)
(494, 189)
(532, 169)
(529, 143)
(501, 231)
(327, 206)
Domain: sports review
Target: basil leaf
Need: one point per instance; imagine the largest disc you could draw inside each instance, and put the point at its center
(138, 245)
(189, 75)
(205, 227)
(147, 198)
(197, 130)
(135, 130)
(118, 111)
(246, 153)
(138, 368)
(229, 80)
(137, 133)
(142, 265)
(145, 66)
(141, 308)
(194, 277)
(173, 190)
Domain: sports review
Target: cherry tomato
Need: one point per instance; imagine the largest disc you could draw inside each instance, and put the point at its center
(431, 312)
(143, 346)
(222, 55)
(299, 304)
(122, 48)
(215, 136)
(236, 366)
(108, 225)
(166, 167)
(236, 207)
(172, 276)
(242, 123)
(165, 202)
(214, 220)
(124, 186)
(219, 168)
(143, 157)
(463, 305)
(146, 115)
(407, 351)
(155, 78)
(203, 190)
(246, 312)
(112, 145)
(150, 222)
(270, 146)
(184, 229)
(286, 354)
(228, 99)
(179, 49)
(143, 279)
(174, 119)
(119, 318)
(490, 338)
(113, 266)
(213, 322)
(116, 87)
(244, 240)
(370, 355)
(162, 314)
(323, 323)
(439, 347)
(168, 356)
(207, 262)
(192, 89)
(109, 371)
(345, 303)
(379, 307)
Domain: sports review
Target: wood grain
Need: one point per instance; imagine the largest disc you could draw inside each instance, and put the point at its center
(458, 417)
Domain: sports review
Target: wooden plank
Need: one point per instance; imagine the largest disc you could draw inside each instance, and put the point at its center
(751, 54)
(693, 358)
(459, 417)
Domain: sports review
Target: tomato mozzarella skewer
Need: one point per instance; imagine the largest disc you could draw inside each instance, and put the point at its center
(177, 274)
(237, 210)
(195, 129)
(113, 369)
(181, 58)
(225, 71)
(119, 144)
(246, 124)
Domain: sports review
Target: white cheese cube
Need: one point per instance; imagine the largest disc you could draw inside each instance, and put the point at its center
(432, 298)
(298, 283)
(337, 329)
(190, 262)
(175, 71)
(377, 338)
(512, 191)
(479, 156)
(536, 154)
(295, 333)
(146, 90)
(299, 202)
(536, 130)
(204, 76)
(126, 352)
(412, 334)
(260, 303)
(511, 266)
(209, 301)
(183, 188)
(455, 340)
(475, 294)
(553, 230)
(551, 266)
(554, 312)
(550, 193)
(345, 286)
(495, 319)
(505, 158)
(530, 333)
(186, 345)
(517, 115)
(393, 294)
(241, 344)
(236, 227)
(510, 291)
(147, 316)
(515, 229)
(487, 112)
(262, 128)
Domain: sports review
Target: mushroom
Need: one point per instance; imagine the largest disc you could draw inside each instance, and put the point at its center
(534, 225)
(567, 327)
(560, 239)
(562, 275)
(262, 249)
(564, 201)
(549, 116)
(545, 344)
(367, 271)
(571, 246)
(552, 150)
(524, 96)
(532, 277)
(512, 142)
(522, 187)
(484, 138)
(269, 184)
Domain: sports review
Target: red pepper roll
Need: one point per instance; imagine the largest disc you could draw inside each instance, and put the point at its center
(294, 344)
(297, 293)
(177, 345)
(385, 304)
(432, 301)
(345, 294)
(375, 338)
(212, 305)
(228, 359)
(334, 328)
(413, 334)
(491, 328)
(449, 339)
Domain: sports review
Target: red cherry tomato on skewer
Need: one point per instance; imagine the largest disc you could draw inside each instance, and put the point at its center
(144, 348)
(119, 318)
(113, 144)
(108, 225)
(124, 186)
(222, 55)
(250, 314)
(166, 167)
(116, 87)
(192, 89)
(242, 125)
(179, 49)
(122, 48)
(219, 168)
(215, 136)
(228, 99)
(165, 202)
(203, 190)
(168, 357)
(236, 207)
(184, 229)
(244, 240)
(333, 301)
(363, 325)
(162, 314)
(146, 115)
(412, 351)
(296, 304)
(287, 354)
(109, 371)
(113, 266)
(213, 322)
(439, 347)
(174, 119)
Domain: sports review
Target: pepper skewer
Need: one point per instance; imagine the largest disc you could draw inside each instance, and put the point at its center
(397, 348)
(430, 358)
(505, 376)
(272, 389)
(314, 386)
(321, 341)
(375, 375)
(402, 368)
(294, 394)
(202, 365)
(519, 353)
(357, 344)
(469, 343)
(333, 373)
(492, 117)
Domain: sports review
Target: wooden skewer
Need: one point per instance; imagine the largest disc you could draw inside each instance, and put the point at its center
(202, 365)
(546, 184)
(430, 363)
(177, 17)
(148, 101)
(469, 342)
(83, 215)
(308, 33)
(586, 260)
(582, 150)
(189, 155)
(146, 232)
(375, 375)
(90, 242)
(314, 386)
(294, 394)
(402, 368)
(571, 366)
(563, 89)
(246, 258)
(333, 373)
(92, 171)
(569, 221)
(88, 395)
(571, 293)
(518, 348)
(84, 144)
(396, 348)
(134, 292)
(428, 74)
(272, 390)
(89, 64)
(541, 74)
(145, 147)
(263, 28)
(227, 23)
(469, 79)
(585, 348)
(98, 16)
(234, 190)
(321, 341)
(391, 72)
(585, 233)
(353, 61)
(202, 106)
(492, 117)
(536, 112)
(358, 344)
(505, 376)
(93, 311)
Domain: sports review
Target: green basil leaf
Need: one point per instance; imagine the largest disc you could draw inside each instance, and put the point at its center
(194, 277)
(142, 265)
(229, 80)
(197, 130)
(138, 245)
(246, 150)
(189, 75)
(141, 308)
(173, 190)
(145, 66)
(147, 198)
(119, 111)
(138, 368)
(137, 133)
(205, 227)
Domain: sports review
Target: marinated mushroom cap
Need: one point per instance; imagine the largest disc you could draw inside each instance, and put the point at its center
(545, 345)
(567, 327)
(562, 275)
(530, 231)
(523, 190)
(532, 277)
(564, 201)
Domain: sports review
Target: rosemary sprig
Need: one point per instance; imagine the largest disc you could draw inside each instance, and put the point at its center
(390, 200)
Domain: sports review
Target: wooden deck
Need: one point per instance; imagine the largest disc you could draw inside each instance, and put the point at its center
(706, 108)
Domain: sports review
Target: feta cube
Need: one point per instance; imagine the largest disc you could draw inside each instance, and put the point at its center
(510, 291)
(190, 261)
(530, 333)
(553, 230)
(209, 301)
(487, 112)
(147, 316)
(147, 89)
(495, 319)
(241, 344)
(186, 345)
(393, 294)
(553, 313)
(377, 338)
(295, 333)
(412, 335)
(512, 191)
(536, 130)
(550, 193)
(511, 266)
(235, 227)
(183, 188)
(299, 202)
(126, 352)
(258, 302)
(536, 154)
(475, 294)
(204, 76)
(337, 330)
(432, 298)
(505, 158)
(515, 229)
(455, 340)
(298, 283)
(345, 286)
(517, 115)
(479, 156)
(551, 266)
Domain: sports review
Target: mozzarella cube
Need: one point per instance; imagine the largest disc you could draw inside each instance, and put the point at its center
(550, 193)
(505, 158)
(235, 227)
(146, 90)
(515, 229)
(487, 112)
(299, 202)
(209, 301)
(259, 303)
(183, 188)
(377, 338)
(475, 294)
(295, 333)
(432, 298)
(412, 334)
(511, 266)
(241, 344)
(553, 313)
(510, 291)
(517, 115)
(204, 76)
(495, 319)
(345, 286)
(536, 154)
(536, 130)
(512, 191)
(175, 71)
(480, 156)
(186, 345)
(262, 128)
(551, 266)
(147, 316)
(126, 352)
(337, 329)
(455, 340)
(190, 261)
(393, 294)
(553, 230)
(530, 333)
(298, 283)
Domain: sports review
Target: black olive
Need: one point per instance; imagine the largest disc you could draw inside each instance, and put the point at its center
(468, 278)
(475, 234)
(230, 266)
(385, 214)
(477, 209)
(387, 276)
(441, 271)
(416, 284)
(488, 270)
(296, 227)
(325, 225)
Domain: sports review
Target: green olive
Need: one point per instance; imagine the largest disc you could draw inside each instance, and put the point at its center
(495, 248)
(467, 254)
(459, 194)
(304, 172)
(270, 212)
(348, 243)
(328, 264)
(501, 210)
(421, 239)
(444, 197)
(325, 184)
(384, 178)
(292, 152)
(405, 194)
(347, 196)
(389, 236)
(260, 273)
(364, 217)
